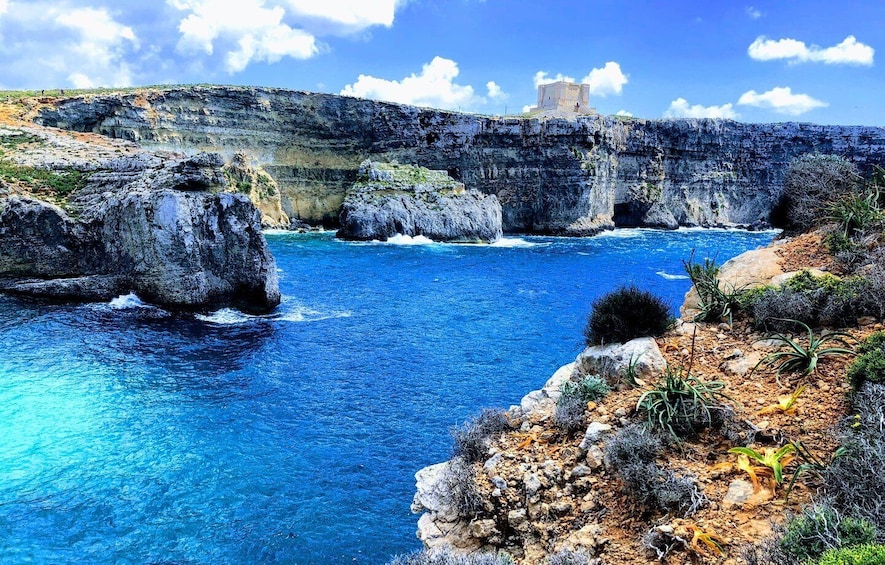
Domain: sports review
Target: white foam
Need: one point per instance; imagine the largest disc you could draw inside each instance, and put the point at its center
(308, 315)
(285, 313)
(512, 242)
(402, 239)
(670, 277)
(126, 301)
(226, 317)
(620, 233)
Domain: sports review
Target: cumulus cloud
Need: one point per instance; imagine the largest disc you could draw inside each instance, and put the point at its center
(782, 100)
(607, 80)
(251, 31)
(753, 12)
(680, 108)
(435, 86)
(849, 52)
(624, 113)
(495, 92)
(62, 44)
(346, 16)
(247, 31)
(541, 77)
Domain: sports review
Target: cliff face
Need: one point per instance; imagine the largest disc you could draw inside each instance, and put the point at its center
(390, 199)
(82, 221)
(553, 176)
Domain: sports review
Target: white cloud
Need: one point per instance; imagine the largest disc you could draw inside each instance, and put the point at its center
(434, 87)
(680, 108)
(52, 44)
(753, 12)
(247, 31)
(541, 77)
(849, 52)
(624, 113)
(351, 15)
(782, 100)
(607, 80)
(495, 92)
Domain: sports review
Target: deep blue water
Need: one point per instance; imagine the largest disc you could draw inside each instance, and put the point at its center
(130, 435)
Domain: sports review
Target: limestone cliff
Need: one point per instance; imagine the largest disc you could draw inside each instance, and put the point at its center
(390, 199)
(86, 221)
(550, 176)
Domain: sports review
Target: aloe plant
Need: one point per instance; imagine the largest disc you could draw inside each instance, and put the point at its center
(794, 356)
(771, 458)
(681, 403)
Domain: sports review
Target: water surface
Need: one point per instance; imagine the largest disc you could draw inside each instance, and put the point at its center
(131, 435)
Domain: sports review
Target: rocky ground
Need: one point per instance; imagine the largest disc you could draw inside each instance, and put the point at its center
(559, 494)
(85, 217)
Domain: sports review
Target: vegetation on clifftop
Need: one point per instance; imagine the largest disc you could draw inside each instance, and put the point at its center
(762, 425)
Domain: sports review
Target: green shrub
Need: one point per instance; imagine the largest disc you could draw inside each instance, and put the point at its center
(472, 438)
(857, 555)
(717, 300)
(820, 528)
(814, 301)
(870, 363)
(625, 314)
(856, 213)
(573, 399)
(59, 184)
(811, 185)
(682, 404)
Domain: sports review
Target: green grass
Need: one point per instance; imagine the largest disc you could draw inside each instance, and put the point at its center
(59, 184)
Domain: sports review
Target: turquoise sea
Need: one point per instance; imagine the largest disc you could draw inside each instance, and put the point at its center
(132, 435)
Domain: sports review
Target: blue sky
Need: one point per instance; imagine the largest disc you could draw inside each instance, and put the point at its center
(760, 62)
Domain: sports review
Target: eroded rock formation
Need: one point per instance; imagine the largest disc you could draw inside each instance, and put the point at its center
(389, 199)
(550, 176)
(155, 224)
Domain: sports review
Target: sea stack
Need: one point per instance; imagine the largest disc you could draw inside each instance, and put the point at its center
(389, 199)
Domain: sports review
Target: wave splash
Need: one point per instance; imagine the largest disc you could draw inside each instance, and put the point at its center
(669, 277)
(297, 314)
(127, 301)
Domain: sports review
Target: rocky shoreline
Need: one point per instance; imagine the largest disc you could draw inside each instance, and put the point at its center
(82, 219)
(541, 492)
(551, 176)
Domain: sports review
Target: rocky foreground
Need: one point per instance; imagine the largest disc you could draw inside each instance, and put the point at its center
(542, 491)
(85, 218)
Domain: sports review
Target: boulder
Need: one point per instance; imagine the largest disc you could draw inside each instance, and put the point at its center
(391, 199)
(757, 267)
(613, 361)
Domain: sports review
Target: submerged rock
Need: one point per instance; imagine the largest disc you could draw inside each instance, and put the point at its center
(391, 199)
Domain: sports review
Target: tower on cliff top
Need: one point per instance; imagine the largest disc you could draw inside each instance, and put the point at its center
(565, 96)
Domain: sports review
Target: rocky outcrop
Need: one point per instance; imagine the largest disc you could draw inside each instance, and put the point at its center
(155, 224)
(525, 499)
(550, 175)
(247, 177)
(390, 199)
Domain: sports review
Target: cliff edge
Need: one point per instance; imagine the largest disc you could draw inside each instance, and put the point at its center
(85, 218)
